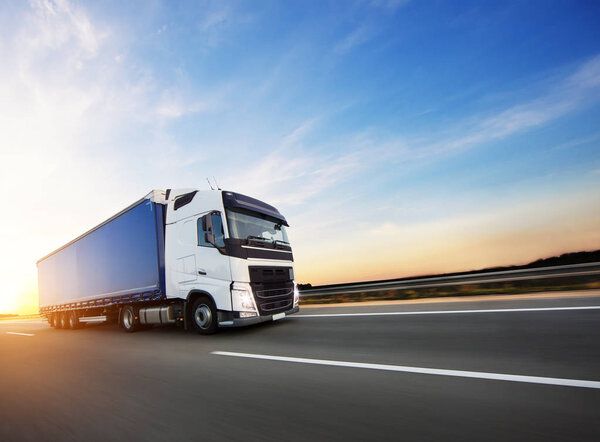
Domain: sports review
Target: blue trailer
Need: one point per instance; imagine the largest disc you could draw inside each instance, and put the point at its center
(119, 261)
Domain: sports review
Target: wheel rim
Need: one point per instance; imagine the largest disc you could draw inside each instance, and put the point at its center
(203, 316)
(128, 319)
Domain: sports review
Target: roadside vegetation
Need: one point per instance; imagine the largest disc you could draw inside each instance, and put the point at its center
(566, 283)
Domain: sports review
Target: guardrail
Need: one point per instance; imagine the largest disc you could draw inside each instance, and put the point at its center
(464, 279)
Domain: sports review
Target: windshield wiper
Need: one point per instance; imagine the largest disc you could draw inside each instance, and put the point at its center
(280, 241)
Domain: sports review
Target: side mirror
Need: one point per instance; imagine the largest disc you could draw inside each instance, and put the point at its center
(209, 236)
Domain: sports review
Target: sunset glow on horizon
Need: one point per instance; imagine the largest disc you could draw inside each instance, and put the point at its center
(390, 152)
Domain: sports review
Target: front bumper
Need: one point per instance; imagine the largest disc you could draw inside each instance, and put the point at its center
(239, 322)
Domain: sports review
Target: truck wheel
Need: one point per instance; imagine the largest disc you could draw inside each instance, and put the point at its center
(128, 319)
(73, 321)
(204, 316)
(63, 320)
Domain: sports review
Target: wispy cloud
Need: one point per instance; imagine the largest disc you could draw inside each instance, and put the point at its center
(216, 19)
(300, 132)
(59, 23)
(295, 178)
(219, 24)
(290, 175)
(357, 37)
(88, 107)
(574, 91)
(291, 180)
(75, 119)
(388, 4)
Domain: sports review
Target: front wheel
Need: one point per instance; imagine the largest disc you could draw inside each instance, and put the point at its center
(204, 316)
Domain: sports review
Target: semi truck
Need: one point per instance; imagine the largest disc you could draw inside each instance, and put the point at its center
(197, 259)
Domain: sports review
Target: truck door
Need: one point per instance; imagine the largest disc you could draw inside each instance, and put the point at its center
(194, 259)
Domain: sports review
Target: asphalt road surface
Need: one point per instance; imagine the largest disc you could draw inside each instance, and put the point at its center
(509, 369)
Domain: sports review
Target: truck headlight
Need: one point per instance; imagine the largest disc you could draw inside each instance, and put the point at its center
(242, 299)
(296, 295)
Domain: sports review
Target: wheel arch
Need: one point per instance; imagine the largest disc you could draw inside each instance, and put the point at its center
(196, 293)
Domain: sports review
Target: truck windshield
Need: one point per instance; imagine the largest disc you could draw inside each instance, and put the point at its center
(250, 225)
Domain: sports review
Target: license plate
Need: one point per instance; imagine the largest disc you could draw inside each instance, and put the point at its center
(278, 316)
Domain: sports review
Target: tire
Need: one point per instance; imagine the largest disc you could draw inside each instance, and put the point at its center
(127, 319)
(54, 320)
(73, 320)
(203, 316)
(63, 321)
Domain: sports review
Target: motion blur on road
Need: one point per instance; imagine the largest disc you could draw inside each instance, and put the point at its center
(99, 383)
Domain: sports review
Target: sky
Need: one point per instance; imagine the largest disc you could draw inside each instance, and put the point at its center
(397, 137)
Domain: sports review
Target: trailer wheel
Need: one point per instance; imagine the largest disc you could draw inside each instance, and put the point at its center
(73, 321)
(128, 321)
(204, 317)
(54, 320)
(63, 320)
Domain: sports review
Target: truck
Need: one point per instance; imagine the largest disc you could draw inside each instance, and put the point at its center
(198, 259)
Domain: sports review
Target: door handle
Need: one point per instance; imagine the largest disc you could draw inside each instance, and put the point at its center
(201, 272)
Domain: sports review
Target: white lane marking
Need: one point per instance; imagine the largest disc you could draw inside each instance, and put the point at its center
(446, 312)
(422, 370)
(20, 334)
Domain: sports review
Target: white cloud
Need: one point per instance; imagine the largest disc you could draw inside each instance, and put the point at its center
(571, 93)
(81, 130)
(300, 132)
(219, 24)
(388, 4)
(587, 75)
(291, 179)
(216, 19)
(85, 125)
(174, 103)
(357, 37)
(57, 24)
(290, 175)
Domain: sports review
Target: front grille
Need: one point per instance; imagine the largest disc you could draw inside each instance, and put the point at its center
(273, 293)
(273, 288)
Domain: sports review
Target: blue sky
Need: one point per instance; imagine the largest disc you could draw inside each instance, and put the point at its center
(399, 137)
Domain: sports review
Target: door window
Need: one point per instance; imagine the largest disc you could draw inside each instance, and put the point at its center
(217, 225)
(211, 223)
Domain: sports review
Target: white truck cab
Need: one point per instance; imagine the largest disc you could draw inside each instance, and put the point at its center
(233, 249)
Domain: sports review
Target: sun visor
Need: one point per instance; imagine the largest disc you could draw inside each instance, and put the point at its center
(239, 201)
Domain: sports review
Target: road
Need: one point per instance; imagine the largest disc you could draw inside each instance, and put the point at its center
(99, 383)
